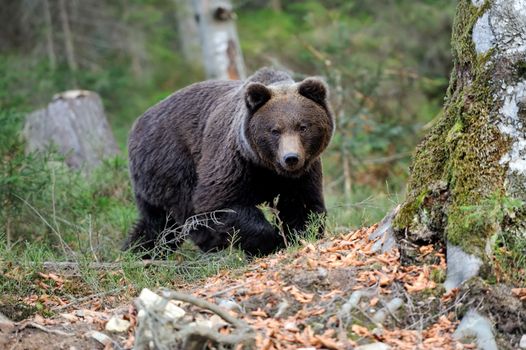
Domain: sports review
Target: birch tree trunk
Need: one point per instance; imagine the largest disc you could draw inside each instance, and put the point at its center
(468, 177)
(188, 31)
(68, 37)
(220, 44)
(49, 36)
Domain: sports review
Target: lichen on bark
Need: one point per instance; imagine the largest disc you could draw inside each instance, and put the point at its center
(467, 157)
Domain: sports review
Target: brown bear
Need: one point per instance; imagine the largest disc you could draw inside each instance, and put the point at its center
(233, 145)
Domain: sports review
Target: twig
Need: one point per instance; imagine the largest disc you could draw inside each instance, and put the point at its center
(69, 265)
(45, 329)
(88, 297)
(209, 333)
(221, 292)
(224, 314)
(189, 335)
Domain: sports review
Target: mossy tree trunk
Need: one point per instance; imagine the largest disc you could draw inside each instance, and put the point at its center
(468, 177)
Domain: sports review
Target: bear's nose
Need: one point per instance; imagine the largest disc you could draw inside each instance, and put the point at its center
(291, 159)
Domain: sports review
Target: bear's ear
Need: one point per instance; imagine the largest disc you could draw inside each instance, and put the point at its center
(256, 95)
(314, 89)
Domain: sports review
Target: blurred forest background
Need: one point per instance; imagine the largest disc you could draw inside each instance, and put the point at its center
(387, 62)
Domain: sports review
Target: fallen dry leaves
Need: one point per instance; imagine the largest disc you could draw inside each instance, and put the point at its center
(314, 282)
(519, 293)
(294, 300)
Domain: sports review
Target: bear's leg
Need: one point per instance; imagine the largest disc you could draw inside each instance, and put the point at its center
(245, 227)
(152, 222)
(299, 218)
(303, 204)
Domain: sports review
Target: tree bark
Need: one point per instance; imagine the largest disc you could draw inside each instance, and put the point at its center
(76, 124)
(468, 176)
(68, 37)
(276, 5)
(187, 25)
(49, 36)
(221, 50)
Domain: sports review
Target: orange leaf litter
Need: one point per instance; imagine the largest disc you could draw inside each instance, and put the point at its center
(308, 324)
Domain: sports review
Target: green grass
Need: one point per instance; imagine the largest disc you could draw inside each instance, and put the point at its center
(366, 207)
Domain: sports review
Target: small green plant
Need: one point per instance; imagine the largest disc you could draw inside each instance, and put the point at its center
(510, 257)
(493, 214)
(490, 211)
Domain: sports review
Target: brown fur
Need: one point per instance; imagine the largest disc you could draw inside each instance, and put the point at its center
(216, 145)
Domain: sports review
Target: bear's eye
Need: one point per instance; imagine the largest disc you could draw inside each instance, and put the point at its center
(275, 132)
(303, 128)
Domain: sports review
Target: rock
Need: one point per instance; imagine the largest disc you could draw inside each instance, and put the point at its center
(460, 267)
(390, 308)
(373, 346)
(100, 337)
(385, 231)
(6, 325)
(117, 324)
(352, 303)
(157, 319)
(522, 343)
(473, 325)
(230, 305)
(282, 307)
(70, 317)
(156, 303)
(291, 326)
(322, 273)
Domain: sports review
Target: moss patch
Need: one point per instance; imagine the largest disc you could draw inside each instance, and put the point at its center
(460, 155)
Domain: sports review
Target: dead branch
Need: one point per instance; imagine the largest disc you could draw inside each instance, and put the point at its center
(45, 329)
(71, 268)
(88, 297)
(70, 265)
(242, 335)
(226, 290)
(224, 314)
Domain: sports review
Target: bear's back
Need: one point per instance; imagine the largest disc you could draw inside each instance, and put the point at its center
(181, 117)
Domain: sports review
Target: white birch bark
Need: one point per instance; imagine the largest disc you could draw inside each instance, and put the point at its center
(221, 50)
(501, 32)
(188, 31)
(474, 158)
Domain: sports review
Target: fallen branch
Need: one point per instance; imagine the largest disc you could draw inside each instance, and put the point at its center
(165, 332)
(45, 329)
(88, 297)
(70, 268)
(226, 290)
(224, 314)
(67, 265)
(188, 333)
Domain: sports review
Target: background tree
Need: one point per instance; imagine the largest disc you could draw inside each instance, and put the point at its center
(468, 177)
(222, 56)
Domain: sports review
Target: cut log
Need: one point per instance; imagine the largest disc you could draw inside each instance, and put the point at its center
(76, 124)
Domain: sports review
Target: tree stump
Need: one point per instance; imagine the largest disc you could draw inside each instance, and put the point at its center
(76, 124)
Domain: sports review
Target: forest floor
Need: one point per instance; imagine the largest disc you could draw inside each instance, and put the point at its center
(335, 293)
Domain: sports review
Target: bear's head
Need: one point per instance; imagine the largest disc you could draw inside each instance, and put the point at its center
(288, 125)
